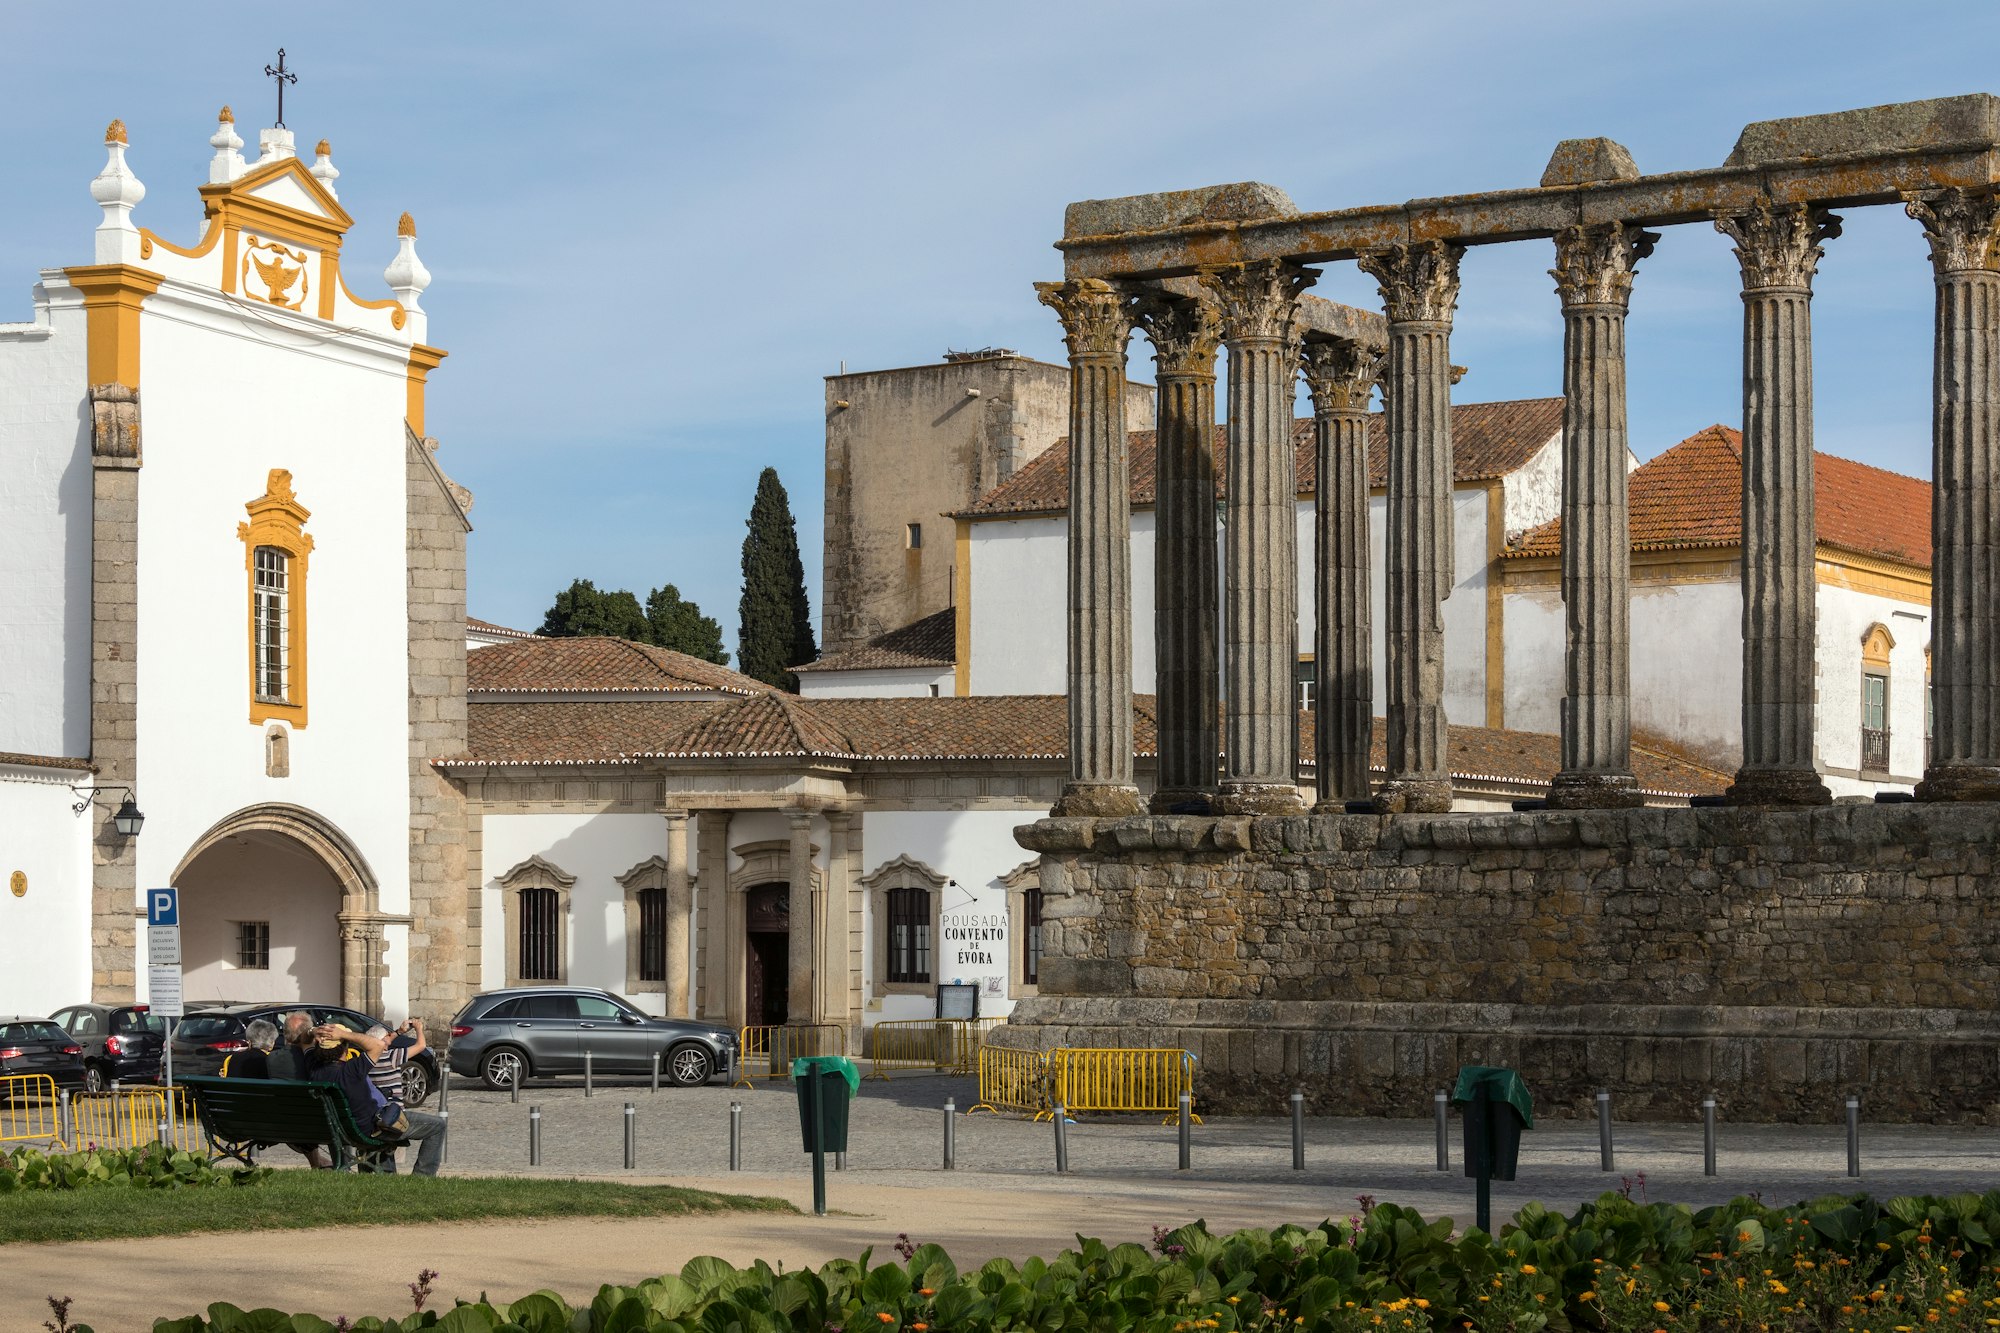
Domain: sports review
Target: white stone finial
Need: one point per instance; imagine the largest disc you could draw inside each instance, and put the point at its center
(323, 169)
(406, 274)
(227, 164)
(273, 144)
(118, 191)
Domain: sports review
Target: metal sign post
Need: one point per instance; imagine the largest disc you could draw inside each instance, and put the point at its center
(163, 972)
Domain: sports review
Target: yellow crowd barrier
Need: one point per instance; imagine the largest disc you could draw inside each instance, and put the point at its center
(937, 1044)
(1122, 1080)
(767, 1051)
(131, 1118)
(29, 1109)
(1013, 1081)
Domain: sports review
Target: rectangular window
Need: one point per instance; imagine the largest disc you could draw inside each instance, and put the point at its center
(910, 935)
(1307, 677)
(541, 938)
(1874, 722)
(914, 537)
(253, 945)
(652, 934)
(270, 621)
(1031, 937)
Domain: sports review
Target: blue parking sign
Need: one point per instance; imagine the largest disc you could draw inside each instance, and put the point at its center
(163, 907)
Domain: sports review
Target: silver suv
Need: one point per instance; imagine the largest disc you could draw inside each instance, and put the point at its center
(543, 1031)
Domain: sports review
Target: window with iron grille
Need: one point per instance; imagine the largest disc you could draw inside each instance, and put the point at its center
(652, 934)
(909, 935)
(270, 621)
(253, 944)
(1031, 937)
(1875, 722)
(541, 935)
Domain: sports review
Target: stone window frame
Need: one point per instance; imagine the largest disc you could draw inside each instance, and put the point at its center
(277, 523)
(535, 873)
(650, 873)
(1022, 880)
(902, 871)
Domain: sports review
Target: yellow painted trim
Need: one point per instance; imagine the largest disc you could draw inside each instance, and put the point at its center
(149, 238)
(961, 602)
(1836, 568)
(231, 240)
(423, 360)
(233, 203)
(396, 319)
(1875, 646)
(277, 519)
(1496, 605)
(329, 278)
(113, 295)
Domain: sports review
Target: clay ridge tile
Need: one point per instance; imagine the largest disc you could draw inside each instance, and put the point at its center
(930, 642)
(595, 664)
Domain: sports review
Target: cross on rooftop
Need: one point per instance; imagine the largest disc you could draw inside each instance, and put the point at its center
(283, 76)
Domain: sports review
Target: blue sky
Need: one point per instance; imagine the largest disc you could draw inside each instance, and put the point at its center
(655, 227)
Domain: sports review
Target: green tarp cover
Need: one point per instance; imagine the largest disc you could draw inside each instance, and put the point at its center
(1502, 1085)
(818, 1064)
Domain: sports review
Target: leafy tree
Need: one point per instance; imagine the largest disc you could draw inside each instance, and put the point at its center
(680, 625)
(776, 622)
(583, 609)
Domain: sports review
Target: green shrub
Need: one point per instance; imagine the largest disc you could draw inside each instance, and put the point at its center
(1912, 1265)
(153, 1166)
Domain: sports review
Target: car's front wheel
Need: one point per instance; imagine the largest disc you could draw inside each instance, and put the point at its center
(93, 1078)
(502, 1067)
(690, 1065)
(416, 1083)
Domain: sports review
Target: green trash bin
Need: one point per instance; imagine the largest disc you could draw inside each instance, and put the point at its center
(1493, 1123)
(836, 1079)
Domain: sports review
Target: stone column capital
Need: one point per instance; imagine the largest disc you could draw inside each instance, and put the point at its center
(1095, 315)
(1186, 332)
(674, 816)
(1779, 245)
(1595, 265)
(1962, 226)
(800, 820)
(1340, 374)
(1259, 299)
(1418, 282)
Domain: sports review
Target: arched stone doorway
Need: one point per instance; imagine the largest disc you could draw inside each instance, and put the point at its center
(280, 886)
(767, 925)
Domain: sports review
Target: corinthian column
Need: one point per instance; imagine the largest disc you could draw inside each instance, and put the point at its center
(1341, 375)
(1419, 286)
(1594, 270)
(1095, 326)
(680, 909)
(1778, 249)
(804, 930)
(1185, 334)
(1964, 233)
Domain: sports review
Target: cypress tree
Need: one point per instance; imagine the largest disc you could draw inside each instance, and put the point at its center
(775, 630)
(583, 609)
(679, 624)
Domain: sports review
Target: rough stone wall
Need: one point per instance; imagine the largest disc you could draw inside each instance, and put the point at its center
(440, 932)
(1777, 959)
(114, 684)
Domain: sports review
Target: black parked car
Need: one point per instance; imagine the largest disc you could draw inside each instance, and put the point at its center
(120, 1043)
(38, 1046)
(542, 1031)
(206, 1037)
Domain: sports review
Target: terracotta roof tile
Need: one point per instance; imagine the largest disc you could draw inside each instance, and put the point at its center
(478, 626)
(1692, 496)
(1488, 440)
(562, 732)
(597, 665)
(930, 642)
(68, 763)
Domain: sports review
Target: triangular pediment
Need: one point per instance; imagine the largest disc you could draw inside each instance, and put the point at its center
(284, 188)
(280, 197)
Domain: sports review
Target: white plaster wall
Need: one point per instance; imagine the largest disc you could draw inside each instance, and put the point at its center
(1845, 617)
(875, 684)
(45, 933)
(1687, 666)
(1534, 656)
(230, 394)
(45, 518)
(974, 848)
(596, 848)
(253, 880)
(1532, 493)
(1019, 582)
(1465, 613)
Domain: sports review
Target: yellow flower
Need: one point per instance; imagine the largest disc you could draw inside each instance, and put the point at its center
(1235, 1300)
(1662, 1306)
(1779, 1289)
(1527, 1268)
(1586, 1295)
(1423, 1304)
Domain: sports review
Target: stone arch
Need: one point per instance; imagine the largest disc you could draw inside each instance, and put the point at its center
(361, 917)
(768, 862)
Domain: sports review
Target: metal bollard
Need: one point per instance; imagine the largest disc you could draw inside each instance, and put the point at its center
(840, 1161)
(514, 1088)
(1442, 1106)
(1604, 1158)
(950, 1134)
(1708, 1136)
(586, 1072)
(166, 1137)
(1298, 1131)
(534, 1136)
(1187, 1131)
(1853, 1136)
(1062, 1139)
(444, 1083)
(736, 1136)
(656, 1072)
(631, 1136)
(64, 1124)
(444, 1135)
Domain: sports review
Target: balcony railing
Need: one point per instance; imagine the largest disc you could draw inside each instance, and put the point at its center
(1874, 750)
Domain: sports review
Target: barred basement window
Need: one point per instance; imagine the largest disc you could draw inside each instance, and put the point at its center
(909, 935)
(1031, 937)
(271, 621)
(652, 934)
(253, 945)
(541, 935)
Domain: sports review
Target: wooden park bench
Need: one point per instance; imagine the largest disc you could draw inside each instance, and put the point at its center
(240, 1115)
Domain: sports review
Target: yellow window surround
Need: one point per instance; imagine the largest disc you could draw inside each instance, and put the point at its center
(278, 520)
